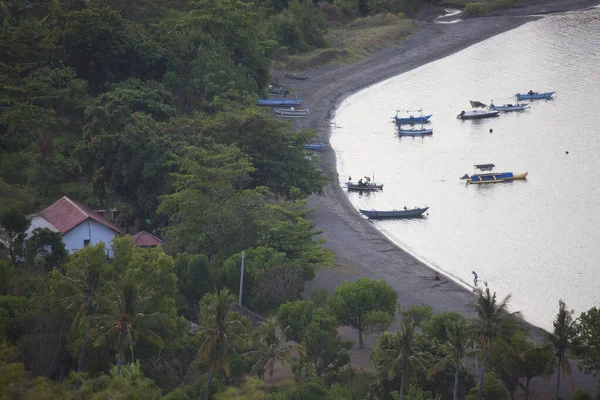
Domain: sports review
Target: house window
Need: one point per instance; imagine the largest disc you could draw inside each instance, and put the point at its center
(86, 242)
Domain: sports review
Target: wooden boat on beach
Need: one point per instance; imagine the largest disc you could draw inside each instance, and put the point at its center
(320, 146)
(293, 75)
(405, 213)
(292, 112)
(279, 102)
(531, 95)
(485, 175)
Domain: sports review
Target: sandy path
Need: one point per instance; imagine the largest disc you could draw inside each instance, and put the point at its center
(361, 250)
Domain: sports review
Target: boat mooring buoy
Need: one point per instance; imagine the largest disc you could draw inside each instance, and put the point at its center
(491, 130)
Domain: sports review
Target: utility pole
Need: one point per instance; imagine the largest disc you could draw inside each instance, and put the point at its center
(242, 276)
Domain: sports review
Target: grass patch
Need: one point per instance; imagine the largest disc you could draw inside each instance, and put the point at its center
(485, 8)
(353, 42)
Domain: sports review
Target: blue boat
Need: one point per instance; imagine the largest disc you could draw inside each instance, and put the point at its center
(531, 95)
(485, 175)
(279, 102)
(411, 118)
(320, 146)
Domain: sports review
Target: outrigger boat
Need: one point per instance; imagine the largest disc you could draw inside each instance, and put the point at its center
(534, 95)
(292, 112)
(364, 186)
(415, 132)
(510, 107)
(486, 176)
(411, 118)
(405, 213)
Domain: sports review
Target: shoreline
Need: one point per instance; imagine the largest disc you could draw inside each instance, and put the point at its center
(360, 248)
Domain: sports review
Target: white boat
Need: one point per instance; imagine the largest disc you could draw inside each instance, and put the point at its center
(292, 112)
(510, 107)
(477, 114)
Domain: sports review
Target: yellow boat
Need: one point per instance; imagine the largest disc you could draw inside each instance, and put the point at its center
(492, 177)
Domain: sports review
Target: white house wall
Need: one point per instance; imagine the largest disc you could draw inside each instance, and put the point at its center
(37, 221)
(88, 230)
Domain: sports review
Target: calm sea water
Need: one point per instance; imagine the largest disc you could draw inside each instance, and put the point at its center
(537, 239)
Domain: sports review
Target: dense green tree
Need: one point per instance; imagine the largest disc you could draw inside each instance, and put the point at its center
(224, 332)
(416, 315)
(493, 389)
(210, 210)
(589, 329)
(437, 326)
(294, 316)
(565, 340)
(534, 363)
(516, 362)
(15, 224)
(365, 305)
(194, 280)
(299, 28)
(326, 352)
(45, 249)
(493, 322)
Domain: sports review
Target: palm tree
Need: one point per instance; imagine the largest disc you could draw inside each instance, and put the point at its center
(565, 340)
(128, 320)
(86, 303)
(396, 357)
(493, 321)
(456, 349)
(223, 331)
(269, 349)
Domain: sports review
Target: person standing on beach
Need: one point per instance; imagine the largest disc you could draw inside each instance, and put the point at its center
(475, 277)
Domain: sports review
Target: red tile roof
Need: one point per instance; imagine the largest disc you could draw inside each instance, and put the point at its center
(65, 214)
(145, 239)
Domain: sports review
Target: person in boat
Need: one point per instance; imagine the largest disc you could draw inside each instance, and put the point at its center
(360, 182)
(405, 208)
(475, 277)
(530, 92)
(437, 276)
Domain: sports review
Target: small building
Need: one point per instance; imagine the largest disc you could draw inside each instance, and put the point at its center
(77, 224)
(146, 239)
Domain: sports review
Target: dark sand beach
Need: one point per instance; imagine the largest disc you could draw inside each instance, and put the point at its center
(360, 249)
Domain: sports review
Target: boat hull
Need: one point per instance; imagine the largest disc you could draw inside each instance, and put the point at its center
(419, 132)
(411, 213)
(314, 146)
(478, 115)
(535, 96)
(364, 188)
(508, 108)
(499, 177)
